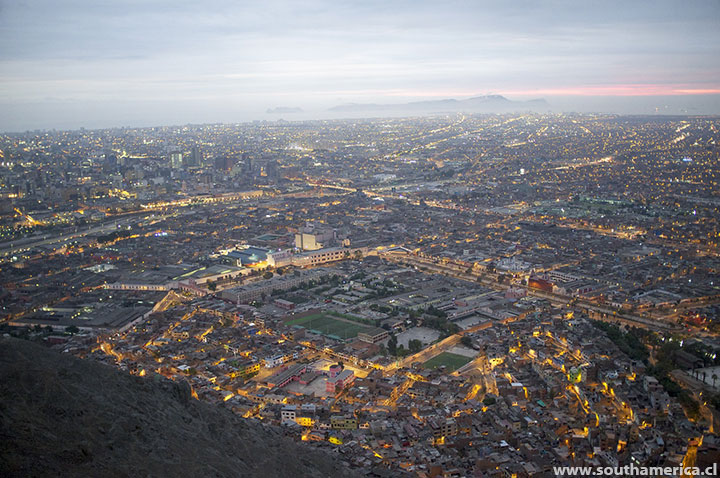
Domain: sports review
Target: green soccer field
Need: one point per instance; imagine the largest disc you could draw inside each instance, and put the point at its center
(451, 361)
(329, 325)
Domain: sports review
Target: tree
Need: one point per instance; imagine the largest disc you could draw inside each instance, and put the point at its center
(415, 346)
(392, 345)
(72, 329)
(211, 285)
(466, 341)
(358, 255)
(267, 275)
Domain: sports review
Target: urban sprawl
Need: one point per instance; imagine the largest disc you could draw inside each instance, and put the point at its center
(490, 295)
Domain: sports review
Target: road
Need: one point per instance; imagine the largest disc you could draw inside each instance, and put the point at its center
(8, 249)
(480, 365)
(603, 312)
(126, 218)
(434, 349)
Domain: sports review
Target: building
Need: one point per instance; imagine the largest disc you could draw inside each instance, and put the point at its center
(373, 336)
(246, 368)
(343, 422)
(311, 237)
(214, 273)
(513, 265)
(305, 419)
(279, 258)
(196, 157)
(100, 317)
(284, 304)
(286, 376)
(224, 163)
(288, 413)
(247, 256)
(176, 159)
(541, 284)
(158, 279)
(322, 256)
(442, 428)
(340, 381)
(145, 280)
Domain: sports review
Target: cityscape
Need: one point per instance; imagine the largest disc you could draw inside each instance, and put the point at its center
(450, 295)
(360, 239)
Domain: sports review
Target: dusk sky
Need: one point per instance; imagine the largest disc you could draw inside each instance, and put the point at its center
(92, 63)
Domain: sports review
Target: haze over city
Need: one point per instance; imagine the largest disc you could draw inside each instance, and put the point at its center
(135, 63)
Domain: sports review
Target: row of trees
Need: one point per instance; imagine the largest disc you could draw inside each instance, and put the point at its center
(399, 350)
(634, 343)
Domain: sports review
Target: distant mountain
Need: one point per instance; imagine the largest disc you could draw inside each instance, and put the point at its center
(63, 416)
(478, 104)
(281, 110)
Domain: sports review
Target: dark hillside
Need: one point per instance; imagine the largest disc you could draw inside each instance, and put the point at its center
(62, 416)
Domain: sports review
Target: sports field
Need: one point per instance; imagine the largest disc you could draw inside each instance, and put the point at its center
(451, 361)
(326, 324)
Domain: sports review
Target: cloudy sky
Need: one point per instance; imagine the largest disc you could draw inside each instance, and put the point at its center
(96, 63)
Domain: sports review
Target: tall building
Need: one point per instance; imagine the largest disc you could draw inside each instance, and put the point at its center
(224, 163)
(176, 160)
(111, 160)
(196, 157)
(271, 169)
(247, 163)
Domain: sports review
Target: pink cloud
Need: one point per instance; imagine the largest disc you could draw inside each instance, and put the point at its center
(620, 90)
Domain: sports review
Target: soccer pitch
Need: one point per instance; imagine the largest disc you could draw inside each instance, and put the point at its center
(330, 325)
(451, 361)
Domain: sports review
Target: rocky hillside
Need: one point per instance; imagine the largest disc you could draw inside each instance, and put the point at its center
(62, 416)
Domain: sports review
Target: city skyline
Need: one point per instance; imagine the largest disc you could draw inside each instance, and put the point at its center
(100, 65)
(452, 295)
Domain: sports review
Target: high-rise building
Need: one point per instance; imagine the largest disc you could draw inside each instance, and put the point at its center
(176, 160)
(111, 160)
(224, 163)
(271, 169)
(196, 158)
(247, 163)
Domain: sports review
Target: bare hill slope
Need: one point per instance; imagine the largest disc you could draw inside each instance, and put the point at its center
(62, 416)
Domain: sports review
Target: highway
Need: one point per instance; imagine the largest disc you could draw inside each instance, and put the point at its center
(8, 249)
(123, 219)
